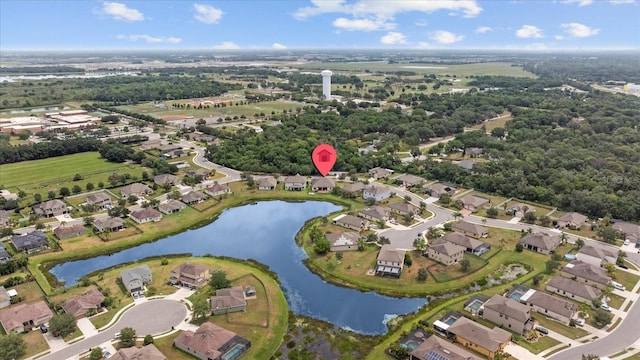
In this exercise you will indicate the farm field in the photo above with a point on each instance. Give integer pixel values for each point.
(40, 176)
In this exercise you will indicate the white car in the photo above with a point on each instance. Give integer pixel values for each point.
(618, 286)
(580, 322)
(627, 242)
(605, 307)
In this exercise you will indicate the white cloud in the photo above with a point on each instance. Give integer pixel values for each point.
(483, 29)
(617, 2)
(445, 37)
(226, 45)
(421, 23)
(150, 39)
(529, 31)
(207, 14)
(387, 9)
(121, 12)
(579, 2)
(579, 30)
(559, 37)
(278, 46)
(424, 45)
(362, 24)
(393, 38)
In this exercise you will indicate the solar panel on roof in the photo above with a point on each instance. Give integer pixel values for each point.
(432, 355)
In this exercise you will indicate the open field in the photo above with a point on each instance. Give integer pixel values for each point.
(40, 176)
(490, 125)
(495, 68)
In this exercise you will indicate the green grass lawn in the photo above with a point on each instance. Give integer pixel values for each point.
(562, 329)
(35, 343)
(627, 279)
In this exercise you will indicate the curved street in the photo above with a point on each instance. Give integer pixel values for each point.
(149, 317)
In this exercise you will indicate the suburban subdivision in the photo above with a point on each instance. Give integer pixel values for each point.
(479, 210)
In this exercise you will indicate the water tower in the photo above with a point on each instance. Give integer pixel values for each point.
(326, 84)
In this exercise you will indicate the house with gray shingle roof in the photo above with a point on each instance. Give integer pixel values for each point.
(375, 213)
(573, 289)
(482, 339)
(471, 245)
(145, 215)
(322, 184)
(136, 278)
(193, 197)
(32, 242)
(408, 180)
(474, 230)
(586, 273)
(50, 208)
(596, 256)
(351, 222)
(110, 224)
(171, 206)
(267, 183)
(343, 241)
(65, 232)
(99, 200)
(445, 252)
(378, 193)
(474, 203)
(354, 187)
(572, 220)
(295, 183)
(217, 190)
(404, 208)
(508, 314)
(390, 261)
(136, 189)
(539, 242)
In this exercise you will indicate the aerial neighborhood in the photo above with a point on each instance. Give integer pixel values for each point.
(173, 206)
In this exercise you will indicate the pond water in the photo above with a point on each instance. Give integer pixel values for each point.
(265, 232)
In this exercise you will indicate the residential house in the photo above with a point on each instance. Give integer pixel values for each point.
(477, 337)
(203, 173)
(145, 215)
(4, 254)
(436, 348)
(586, 273)
(173, 154)
(573, 290)
(629, 231)
(24, 316)
(539, 242)
(378, 193)
(295, 183)
(572, 220)
(473, 230)
(228, 300)
(171, 206)
(351, 222)
(190, 275)
(596, 256)
(31, 243)
(111, 224)
(135, 189)
(353, 188)
(267, 183)
(438, 189)
(217, 190)
(375, 213)
(211, 342)
(147, 352)
(4, 218)
(99, 201)
(467, 164)
(520, 209)
(390, 261)
(193, 197)
(508, 314)
(322, 184)
(166, 180)
(136, 278)
(79, 306)
(404, 208)
(549, 305)
(445, 252)
(475, 151)
(471, 245)
(65, 232)
(5, 298)
(379, 173)
(50, 208)
(408, 180)
(474, 203)
(344, 241)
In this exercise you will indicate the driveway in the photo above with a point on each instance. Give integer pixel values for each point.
(150, 317)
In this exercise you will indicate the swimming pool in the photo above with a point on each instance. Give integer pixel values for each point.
(234, 353)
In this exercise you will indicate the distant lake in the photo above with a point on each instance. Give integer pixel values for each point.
(265, 232)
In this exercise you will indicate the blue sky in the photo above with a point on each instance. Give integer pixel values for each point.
(320, 24)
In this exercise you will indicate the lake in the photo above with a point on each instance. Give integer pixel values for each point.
(265, 232)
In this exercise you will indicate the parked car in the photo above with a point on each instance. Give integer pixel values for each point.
(542, 330)
(135, 295)
(622, 266)
(605, 307)
(44, 329)
(580, 322)
(627, 242)
(618, 286)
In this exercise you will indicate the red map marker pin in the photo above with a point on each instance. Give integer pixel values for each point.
(324, 157)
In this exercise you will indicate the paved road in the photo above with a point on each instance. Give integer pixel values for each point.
(200, 160)
(151, 317)
(619, 339)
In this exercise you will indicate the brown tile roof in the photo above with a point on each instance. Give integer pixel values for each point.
(13, 317)
(552, 303)
(376, 212)
(206, 340)
(587, 271)
(355, 187)
(191, 269)
(444, 247)
(226, 298)
(475, 200)
(322, 182)
(147, 352)
(469, 227)
(626, 228)
(446, 350)
(193, 196)
(267, 181)
(135, 189)
(146, 213)
(490, 339)
(98, 198)
(351, 221)
(296, 179)
(597, 252)
(391, 254)
(462, 240)
(109, 223)
(164, 179)
(404, 207)
(63, 232)
(509, 307)
(410, 179)
(79, 306)
(573, 287)
(217, 188)
(541, 241)
(573, 217)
